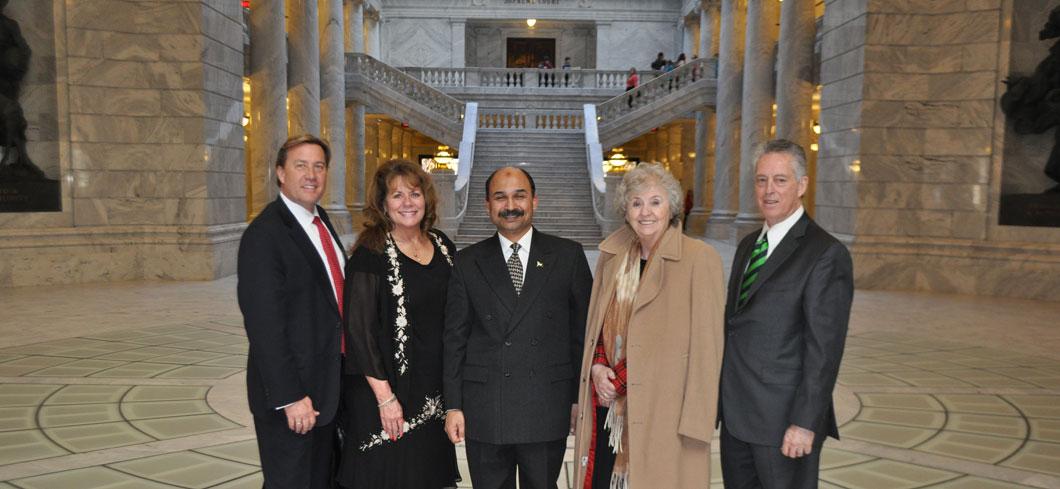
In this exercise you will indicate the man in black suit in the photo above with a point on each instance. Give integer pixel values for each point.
(786, 322)
(514, 327)
(290, 281)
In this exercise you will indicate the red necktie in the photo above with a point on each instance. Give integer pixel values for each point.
(333, 265)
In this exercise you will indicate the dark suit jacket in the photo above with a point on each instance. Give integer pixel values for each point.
(290, 314)
(783, 347)
(511, 361)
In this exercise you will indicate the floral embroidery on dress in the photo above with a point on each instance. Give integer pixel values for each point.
(432, 409)
(397, 290)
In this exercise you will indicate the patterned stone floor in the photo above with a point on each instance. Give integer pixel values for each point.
(141, 386)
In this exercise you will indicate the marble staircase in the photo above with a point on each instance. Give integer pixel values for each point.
(556, 160)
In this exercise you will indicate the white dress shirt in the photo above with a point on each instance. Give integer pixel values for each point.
(305, 218)
(524, 248)
(776, 233)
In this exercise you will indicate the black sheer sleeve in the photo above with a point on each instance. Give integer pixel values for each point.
(366, 312)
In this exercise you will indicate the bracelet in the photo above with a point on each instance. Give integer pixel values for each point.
(388, 401)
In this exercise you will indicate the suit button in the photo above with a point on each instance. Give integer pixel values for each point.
(489, 317)
(548, 314)
(732, 333)
(507, 373)
(507, 342)
(533, 342)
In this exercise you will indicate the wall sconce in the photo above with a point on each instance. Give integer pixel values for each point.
(531, 23)
(816, 127)
(246, 119)
(813, 146)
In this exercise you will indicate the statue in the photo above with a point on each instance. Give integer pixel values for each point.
(23, 186)
(1033, 102)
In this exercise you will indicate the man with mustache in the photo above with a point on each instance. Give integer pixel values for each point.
(514, 327)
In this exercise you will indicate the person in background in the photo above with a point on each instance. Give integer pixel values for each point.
(631, 84)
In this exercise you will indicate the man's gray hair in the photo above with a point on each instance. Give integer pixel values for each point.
(784, 146)
(643, 176)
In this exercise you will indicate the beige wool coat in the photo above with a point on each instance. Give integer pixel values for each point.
(675, 342)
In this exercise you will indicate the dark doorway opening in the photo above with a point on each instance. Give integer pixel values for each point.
(529, 52)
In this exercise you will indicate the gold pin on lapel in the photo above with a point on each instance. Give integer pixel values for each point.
(540, 265)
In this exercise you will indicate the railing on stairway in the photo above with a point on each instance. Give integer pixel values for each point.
(522, 77)
(665, 85)
(388, 89)
(531, 119)
(467, 162)
(594, 157)
(691, 87)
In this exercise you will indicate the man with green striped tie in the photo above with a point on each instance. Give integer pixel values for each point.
(786, 318)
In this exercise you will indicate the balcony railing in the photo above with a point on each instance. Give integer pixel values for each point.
(531, 119)
(522, 78)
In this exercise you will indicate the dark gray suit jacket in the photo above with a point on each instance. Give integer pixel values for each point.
(783, 347)
(511, 361)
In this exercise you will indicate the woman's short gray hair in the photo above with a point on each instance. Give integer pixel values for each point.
(643, 176)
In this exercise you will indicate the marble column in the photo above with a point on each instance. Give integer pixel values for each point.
(332, 109)
(355, 158)
(459, 40)
(703, 174)
(303, 86)
(708, 20)
(795, 72)
(373, 47)
(757, 115)
(268, 108)
(689, 38)
(727, 120)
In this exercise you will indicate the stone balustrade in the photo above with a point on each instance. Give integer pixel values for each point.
(529, 119)
(675, 83)
(473, 77)
(373, 70)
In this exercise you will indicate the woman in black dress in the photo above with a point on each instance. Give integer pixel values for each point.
(393, 421)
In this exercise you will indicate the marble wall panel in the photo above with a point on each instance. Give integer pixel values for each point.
(621, 45)
(131, 74)
(836, 220)
(918, 113)
(840, 143)
(841, 117)
(222, 56)
(833, 169)
(149, 157)
(139, 17)
(924, 169)
(917, 6)
(843, 91)
(918, 196)
(843, 38)
(926, 30)
(221, 28)
(969, 225)
(971, 141)
(846, 65)
(121, 129)
(895, 86)
(979, 56)
(876, 222)
(913, 59)
(85, 42)
(963, 86)
(115, 101)
(839, 12)
(892, 141)
(418, 42)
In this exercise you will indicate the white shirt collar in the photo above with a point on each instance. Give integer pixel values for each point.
(774, 234)
(304, 217)
(524, 243)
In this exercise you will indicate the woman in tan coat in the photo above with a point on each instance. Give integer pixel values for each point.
(653, 346)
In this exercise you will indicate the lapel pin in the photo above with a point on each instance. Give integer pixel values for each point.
(540, 265)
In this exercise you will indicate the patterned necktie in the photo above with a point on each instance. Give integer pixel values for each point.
(515, 268)
(333, 266)
(758, 258)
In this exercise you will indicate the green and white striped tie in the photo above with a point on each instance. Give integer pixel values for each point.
(758, 258)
